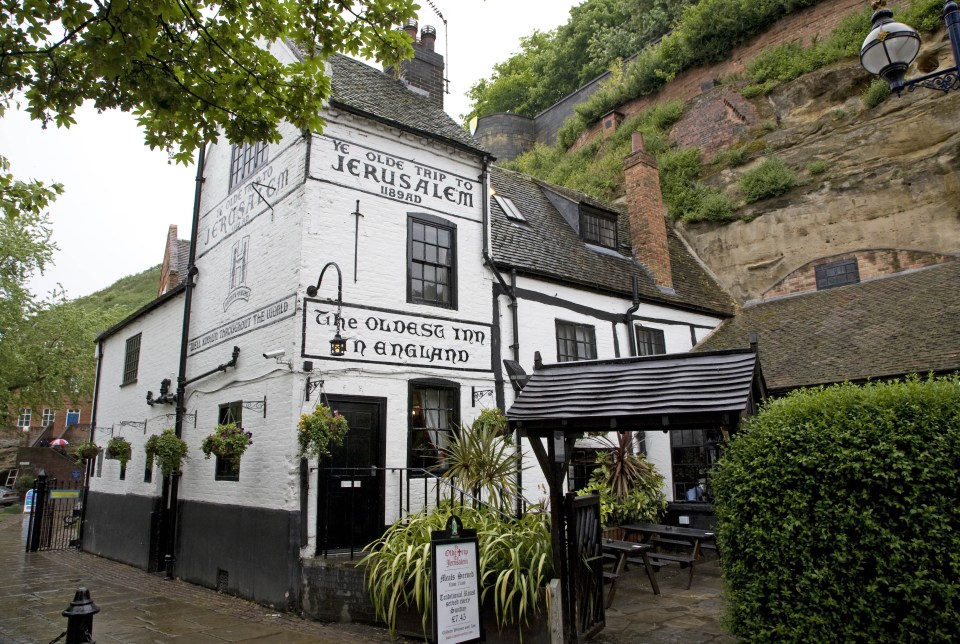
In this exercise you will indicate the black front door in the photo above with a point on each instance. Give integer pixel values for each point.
(350, 485)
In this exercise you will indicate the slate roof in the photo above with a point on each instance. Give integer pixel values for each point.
(886, 327)
(359, 88)
(638, 392)
(548, 247)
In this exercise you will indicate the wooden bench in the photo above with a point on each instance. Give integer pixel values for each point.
(660, 559)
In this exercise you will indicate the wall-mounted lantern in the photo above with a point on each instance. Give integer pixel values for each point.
(338, 346)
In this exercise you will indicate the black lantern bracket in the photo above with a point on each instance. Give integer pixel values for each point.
(256, 405)
(139, 424)
(312, 386)
(479, 394)
(338, 346)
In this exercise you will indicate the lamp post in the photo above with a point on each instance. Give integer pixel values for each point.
(338, 346)
(891, 46)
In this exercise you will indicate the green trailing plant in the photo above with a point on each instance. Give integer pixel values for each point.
(837, 515)
(771, 178)
(168, 449)
(514, 556)
(119, 448)
(877, 92)
(319, 429)
(482, 461)
(87, 451)
(226, 441)
(629, 486)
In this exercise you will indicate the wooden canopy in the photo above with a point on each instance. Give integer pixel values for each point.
(675, 391)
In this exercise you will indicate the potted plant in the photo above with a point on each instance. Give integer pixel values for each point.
(317, 430)
(227, 441)
(119, 448)
(167, 448)
(87, 451)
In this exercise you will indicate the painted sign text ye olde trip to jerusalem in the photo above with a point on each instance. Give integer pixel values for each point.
(401, 179)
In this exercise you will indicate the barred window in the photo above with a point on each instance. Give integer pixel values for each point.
(131, 361)
(575, 342)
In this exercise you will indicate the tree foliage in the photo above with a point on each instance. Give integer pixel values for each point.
(838, 521)
(552, 64)
(188, 69)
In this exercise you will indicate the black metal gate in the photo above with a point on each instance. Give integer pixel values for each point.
(56, 517)
(584, 566)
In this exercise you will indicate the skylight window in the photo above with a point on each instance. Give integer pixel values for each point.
(510, 209)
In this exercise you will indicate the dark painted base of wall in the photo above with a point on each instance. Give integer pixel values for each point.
(334, 590)
(118, 527)
(249, 552)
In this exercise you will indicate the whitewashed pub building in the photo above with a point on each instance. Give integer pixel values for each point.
(449, 266)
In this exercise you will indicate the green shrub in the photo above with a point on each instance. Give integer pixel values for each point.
(709, 204)
(838, 519)
(771, 178)
(516, 562)
(818, 167)
(876, 93)
(737, 156)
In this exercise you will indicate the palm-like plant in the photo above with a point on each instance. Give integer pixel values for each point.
(482, 461)
(629, 486)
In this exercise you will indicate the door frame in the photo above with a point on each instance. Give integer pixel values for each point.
(381, 403)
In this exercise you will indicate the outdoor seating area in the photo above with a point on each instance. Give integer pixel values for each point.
(649, 547)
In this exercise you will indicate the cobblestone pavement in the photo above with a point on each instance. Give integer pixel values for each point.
(139, 607)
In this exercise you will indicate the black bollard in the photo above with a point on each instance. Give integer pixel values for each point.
(79, 616)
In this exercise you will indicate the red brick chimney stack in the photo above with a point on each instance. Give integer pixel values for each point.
(422, 74)
(648, 222)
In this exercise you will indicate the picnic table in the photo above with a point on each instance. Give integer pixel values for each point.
(686, 544)
(620, 552)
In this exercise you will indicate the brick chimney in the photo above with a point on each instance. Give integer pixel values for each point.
(648, 222)
(422, 74)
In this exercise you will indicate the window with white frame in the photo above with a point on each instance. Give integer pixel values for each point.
(73, 417)
(49, 416)
(23, 419)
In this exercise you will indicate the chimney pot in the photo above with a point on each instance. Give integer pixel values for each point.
(411, 28)
(428, 37)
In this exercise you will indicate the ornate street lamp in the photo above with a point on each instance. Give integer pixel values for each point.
(338, 346)
(891, 46)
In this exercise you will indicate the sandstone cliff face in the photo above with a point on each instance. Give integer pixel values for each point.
(891, 181)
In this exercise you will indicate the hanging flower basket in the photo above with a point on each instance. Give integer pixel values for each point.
(119, 449)
(168, 449)
(317, 430)
(87, 451)
(227, 441)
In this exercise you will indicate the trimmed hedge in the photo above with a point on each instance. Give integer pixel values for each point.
(838, 516)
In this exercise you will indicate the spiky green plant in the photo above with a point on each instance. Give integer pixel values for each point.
(515, 561)
(629, 486)
(483, 461)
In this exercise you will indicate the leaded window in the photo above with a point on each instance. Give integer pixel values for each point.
(598, 227)
(839, 273)
(433, 417)
(575, 342)
(245, 160)
(650, 342)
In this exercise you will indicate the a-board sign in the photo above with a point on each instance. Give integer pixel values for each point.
(28, 502)
(455, 564)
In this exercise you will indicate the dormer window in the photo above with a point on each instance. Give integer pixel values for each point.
(598, 227)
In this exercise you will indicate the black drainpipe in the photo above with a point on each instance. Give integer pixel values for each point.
(511, 292)
(90, 464)
(628, 317)
(173, 481)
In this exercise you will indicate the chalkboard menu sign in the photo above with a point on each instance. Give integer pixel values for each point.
(455, 564)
